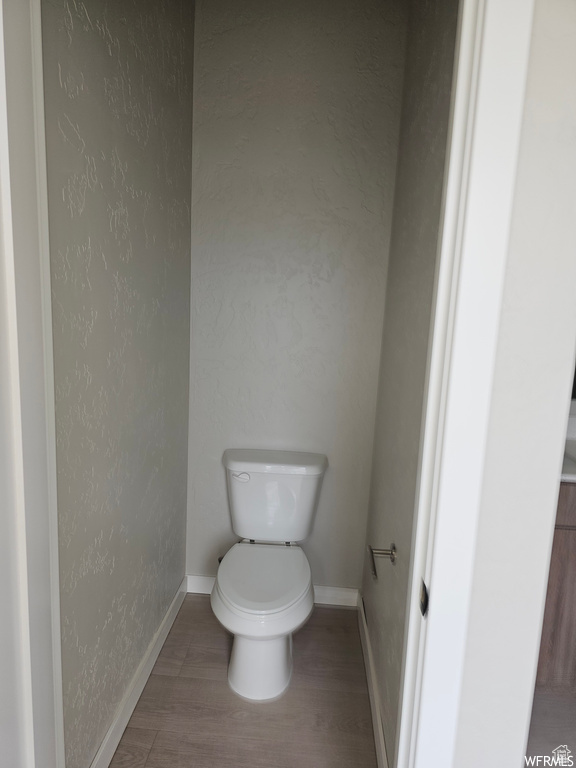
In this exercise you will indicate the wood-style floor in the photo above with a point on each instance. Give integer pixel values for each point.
(187, 716)
(553, 721)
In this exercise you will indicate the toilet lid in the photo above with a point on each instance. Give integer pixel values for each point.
(263, 578)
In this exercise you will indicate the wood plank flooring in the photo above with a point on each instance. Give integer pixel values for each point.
(553, 721)
(187, 716)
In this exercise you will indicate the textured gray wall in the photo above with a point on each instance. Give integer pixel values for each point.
(118, 87)
(296, 118)
(410, 291)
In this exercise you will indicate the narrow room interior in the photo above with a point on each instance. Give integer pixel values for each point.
(232, 193)
(245, 204)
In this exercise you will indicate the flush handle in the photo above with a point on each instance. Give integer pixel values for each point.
(242, 477)
(374, 553)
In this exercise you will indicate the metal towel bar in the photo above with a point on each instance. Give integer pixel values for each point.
(374, 553)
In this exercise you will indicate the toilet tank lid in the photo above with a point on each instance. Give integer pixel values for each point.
(275, 462)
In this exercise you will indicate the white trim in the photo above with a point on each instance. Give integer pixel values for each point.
(454, 185)
(23, 146)
(199, 585)
(492, 68)
(112, 739)
(337, 596)
(19, 730)
(372, 681)
(49, 394)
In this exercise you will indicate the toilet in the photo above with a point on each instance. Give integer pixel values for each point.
(263, 590)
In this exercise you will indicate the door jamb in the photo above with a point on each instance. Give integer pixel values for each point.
(485, 73)
(30, 367)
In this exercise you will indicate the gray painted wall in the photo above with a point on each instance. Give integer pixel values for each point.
(296, 119)
(409, 297)
(118, 90)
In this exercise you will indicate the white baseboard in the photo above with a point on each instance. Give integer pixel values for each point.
(342, 596)
(372, 688)
(112, 738)
(199, 585)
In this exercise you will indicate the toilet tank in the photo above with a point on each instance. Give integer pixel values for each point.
(273, 495)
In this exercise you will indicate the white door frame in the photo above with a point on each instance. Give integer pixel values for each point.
(30, 592)
(491, 64)
(448, 704)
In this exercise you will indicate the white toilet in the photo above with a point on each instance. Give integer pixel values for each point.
(263, 590)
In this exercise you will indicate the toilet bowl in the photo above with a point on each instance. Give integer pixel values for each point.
(263, 589)
(263, 593)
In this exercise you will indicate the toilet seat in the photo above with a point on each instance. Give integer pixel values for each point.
(263, 579)
(262, 594)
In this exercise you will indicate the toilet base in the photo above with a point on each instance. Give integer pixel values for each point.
(260, 670)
